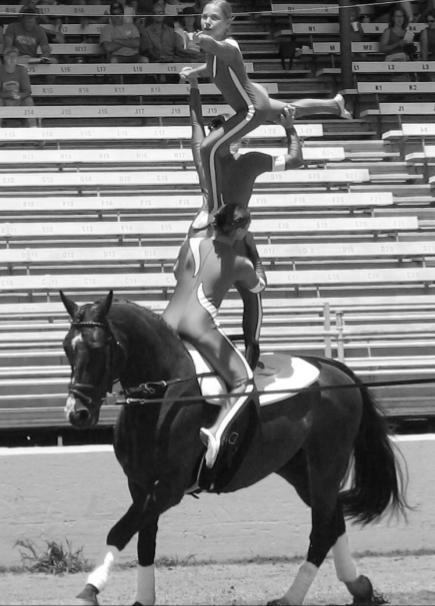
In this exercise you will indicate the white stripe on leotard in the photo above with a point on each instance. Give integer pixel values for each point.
(194, 244)
(249, 116)
(243, 396)
(259, 319)
(206, 303)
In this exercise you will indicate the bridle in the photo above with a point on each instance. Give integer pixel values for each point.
(86, 391)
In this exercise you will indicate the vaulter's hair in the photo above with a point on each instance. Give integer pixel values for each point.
(230, 217)
(224, 6)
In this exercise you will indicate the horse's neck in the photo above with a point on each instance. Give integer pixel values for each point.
(154, 352)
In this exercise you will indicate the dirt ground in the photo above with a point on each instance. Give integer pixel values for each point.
(402, 580)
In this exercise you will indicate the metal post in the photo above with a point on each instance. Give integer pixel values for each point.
(345, 44)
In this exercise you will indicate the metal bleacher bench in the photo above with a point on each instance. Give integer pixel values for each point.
(400, 88)
(103, 205)
(400, 109)
(152, 281)
(101, 69)
(412, 131)
(173, 155)
(176, 229)
(388, 67)
(155, 110)
(143, 133)
(145, 90)
(308, 9)
(86, 180)
(35, 259)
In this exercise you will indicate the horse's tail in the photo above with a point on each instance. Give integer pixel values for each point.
(379, 480)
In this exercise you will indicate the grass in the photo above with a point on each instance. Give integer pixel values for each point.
(57, 558)
(54, 558)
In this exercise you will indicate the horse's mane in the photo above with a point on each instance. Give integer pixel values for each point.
(121, 307)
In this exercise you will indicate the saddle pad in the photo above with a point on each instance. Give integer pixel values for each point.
(283, 372)
(280, 372)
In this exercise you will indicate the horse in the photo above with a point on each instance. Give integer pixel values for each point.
(329, 441)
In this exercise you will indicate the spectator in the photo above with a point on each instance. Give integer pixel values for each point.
(121, 40)
(15, 86)
(2, 41)
(26, 35)
(427, 38)
(159, 41)
(129, 10)
(52, 25)
(185, 30)
(396, 41)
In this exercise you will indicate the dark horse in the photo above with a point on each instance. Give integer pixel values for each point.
(309, 439)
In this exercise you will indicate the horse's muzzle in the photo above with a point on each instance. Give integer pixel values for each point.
(77, 414)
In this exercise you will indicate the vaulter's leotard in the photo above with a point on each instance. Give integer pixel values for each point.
(205, 270)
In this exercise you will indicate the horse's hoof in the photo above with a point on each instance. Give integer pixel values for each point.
(279, 602)
(363, 593)
(88, 597)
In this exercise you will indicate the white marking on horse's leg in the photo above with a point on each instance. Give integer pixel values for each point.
(345, 566)
(100, 575)
(302, 583)
(146, 586)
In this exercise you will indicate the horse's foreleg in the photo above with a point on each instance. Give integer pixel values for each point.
(118, 537)
(146, 551)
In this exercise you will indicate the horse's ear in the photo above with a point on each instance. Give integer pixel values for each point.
(105, 305)
(69, 304)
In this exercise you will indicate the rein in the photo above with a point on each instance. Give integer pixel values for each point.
(310, 388)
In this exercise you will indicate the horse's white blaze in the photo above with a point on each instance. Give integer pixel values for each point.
(100, 575)
(302, 583)
(69, 405)
(345, 566)
(146, 586)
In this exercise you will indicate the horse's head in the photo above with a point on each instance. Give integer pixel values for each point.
(90, 348)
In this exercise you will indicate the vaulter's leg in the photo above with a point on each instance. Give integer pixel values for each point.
(310, 107)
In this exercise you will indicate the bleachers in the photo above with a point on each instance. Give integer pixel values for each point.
(347, 240)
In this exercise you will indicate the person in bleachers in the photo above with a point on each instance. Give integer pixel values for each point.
(159, 40)
(129, 11)
(26, 35)
(120, 40)
(15, 89)
(396, 41)
(186, 29)
(52, 24)
(427, 38)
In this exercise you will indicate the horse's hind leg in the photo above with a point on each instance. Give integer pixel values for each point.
(360, 586)
(296, 473)
(318, 488)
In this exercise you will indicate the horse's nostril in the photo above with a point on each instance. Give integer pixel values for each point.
(82, 415)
